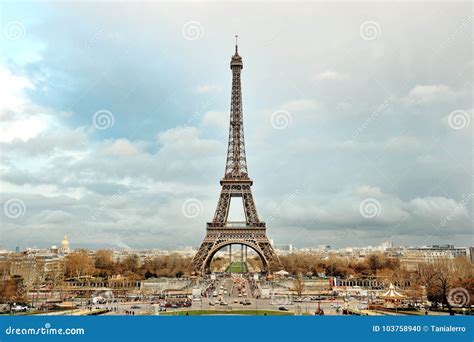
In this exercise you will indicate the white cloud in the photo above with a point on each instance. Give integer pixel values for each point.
(419, 217)
(330, 75)
(12, 89)
(367, 191)
(178, 134)
(434, 207)
(396, 143)
(300, 105)
(55, 216)
(121, 147)
(426, 94)
(20, 119)
(214, 119)
(23, 129)
(403, 143)
(187, 141)
(207, 88)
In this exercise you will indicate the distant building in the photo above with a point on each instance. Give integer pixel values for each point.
(412, 256)
(284, 247)
(36, 265)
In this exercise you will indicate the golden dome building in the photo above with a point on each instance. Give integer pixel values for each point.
(65, 245)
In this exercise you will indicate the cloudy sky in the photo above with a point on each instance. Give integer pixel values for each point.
(114, 120)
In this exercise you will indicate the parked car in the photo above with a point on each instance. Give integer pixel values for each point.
(282, 308)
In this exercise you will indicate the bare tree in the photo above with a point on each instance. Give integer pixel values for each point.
(298, 285)
(78, 264)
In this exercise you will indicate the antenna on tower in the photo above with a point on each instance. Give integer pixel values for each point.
(236, 36)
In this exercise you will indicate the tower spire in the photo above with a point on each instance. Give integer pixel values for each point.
(236, 45)
(236, 166)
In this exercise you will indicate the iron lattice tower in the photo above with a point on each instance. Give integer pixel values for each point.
(235, 183)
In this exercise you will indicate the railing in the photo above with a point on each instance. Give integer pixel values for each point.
(235, 224)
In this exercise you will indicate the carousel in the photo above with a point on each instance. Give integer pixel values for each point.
(392, 298)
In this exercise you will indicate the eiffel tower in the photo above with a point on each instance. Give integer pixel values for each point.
(235, 183)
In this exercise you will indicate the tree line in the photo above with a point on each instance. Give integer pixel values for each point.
(102, 264)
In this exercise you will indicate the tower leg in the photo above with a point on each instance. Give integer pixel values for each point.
(242, 256)
(225, 237)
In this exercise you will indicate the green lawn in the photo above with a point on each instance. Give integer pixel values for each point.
(237, 267)
(228, 312)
